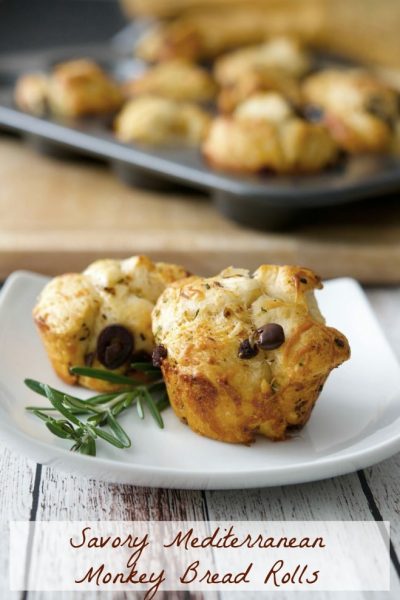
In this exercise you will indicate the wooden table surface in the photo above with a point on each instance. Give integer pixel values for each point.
(57, 216)
(36, 492)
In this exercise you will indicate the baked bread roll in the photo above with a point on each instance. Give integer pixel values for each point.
(360, 110)
(74, 89)
(102, 317)
(157, 121)
(31, 93)
(276, 65)
(245, 354)
(254, 81)
(265, 133)
(167, 8)
(177, 80)
(282, 54)
(207, 32)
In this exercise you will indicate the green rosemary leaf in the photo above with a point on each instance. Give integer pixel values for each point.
(81, 405)
(145, 367)
(108, 437)
(102, 398)
(139, 407)
(163, 403)
(51, 409)
(102, 409)
(104, 375)
(40, 388)
(156, 386)
(118, 431)
(98, 419)
(38, 412)
(88, 447)
(153, 408)
(57, 429)
(53, 396)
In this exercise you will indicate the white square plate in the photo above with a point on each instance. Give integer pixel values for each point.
(356, 421)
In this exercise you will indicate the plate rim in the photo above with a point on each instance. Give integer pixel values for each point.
(64, 460)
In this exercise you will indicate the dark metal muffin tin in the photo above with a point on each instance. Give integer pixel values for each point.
(264, 201)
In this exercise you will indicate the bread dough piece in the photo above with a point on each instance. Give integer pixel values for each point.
(282, 54)
(158, 121)
(177, 80)
(203, 326)
(265, 133)
(361, 111)
(74, 309)
(206, 33)
(73, 89)
(254, 81)
(31, 93)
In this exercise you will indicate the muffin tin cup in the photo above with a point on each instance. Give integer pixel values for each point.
(266, 201)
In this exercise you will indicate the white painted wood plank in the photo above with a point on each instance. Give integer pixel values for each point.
(384, 478)
(66, 497)
(384, 482)
(16, 485)
(339, 499)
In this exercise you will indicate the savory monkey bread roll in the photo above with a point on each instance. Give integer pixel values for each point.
(73, 89)
(361, 111)
(265, 132)
(245, 354)
(102, 317)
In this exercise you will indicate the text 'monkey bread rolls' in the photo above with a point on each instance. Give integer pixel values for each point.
(245, 354)
(102, 317)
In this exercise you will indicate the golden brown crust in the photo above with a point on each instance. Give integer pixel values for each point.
(31, 93)
(73, 89)
(202, 322)
(153, 120)
(264, 133)
(73, 309)
(166, 8)
(177, 80)
(254, 81)
(275, 65)
(207, 33)
(280, 54)
(360, 110)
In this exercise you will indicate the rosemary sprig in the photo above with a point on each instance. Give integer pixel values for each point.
(101, 410)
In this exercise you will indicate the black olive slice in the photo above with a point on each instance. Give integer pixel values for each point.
(271, 336)
(312, 113)
(247, 350)
(114, 346)
(159, 354)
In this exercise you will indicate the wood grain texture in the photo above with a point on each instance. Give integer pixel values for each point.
(57, 216)
(66, 497)
(384, 478)
(16, 486)
(338, 499)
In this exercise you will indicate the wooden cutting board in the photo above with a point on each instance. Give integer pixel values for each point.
(57, 216)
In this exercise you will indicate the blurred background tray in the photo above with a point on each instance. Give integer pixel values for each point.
(263, 201)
